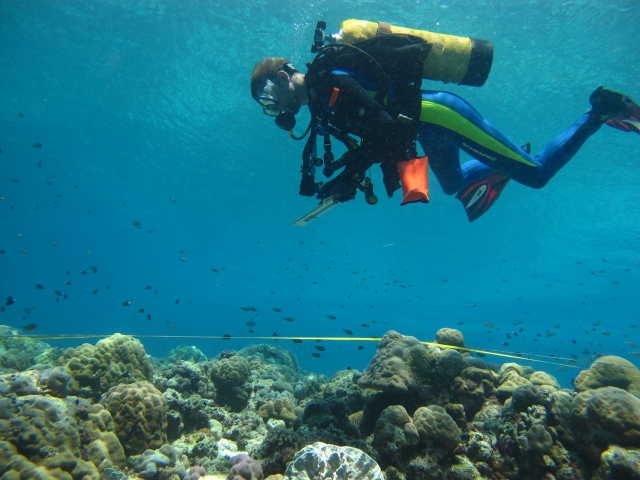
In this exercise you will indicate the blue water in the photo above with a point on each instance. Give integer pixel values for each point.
(140, 102)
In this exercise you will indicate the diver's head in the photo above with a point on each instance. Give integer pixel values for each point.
(279, 88)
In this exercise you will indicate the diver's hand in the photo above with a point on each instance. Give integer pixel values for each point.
(341, 188)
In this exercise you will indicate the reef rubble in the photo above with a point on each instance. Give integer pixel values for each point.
(417, 412)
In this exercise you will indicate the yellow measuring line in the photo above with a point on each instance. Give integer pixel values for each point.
(339, 339)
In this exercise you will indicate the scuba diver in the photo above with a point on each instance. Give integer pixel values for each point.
(371, 89)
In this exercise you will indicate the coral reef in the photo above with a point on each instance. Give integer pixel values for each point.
(18, 355)
(418, 412)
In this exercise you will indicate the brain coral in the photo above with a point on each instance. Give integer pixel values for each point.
(139, 413)
(115, 359)
(387, 370)
(436, 426)
(610, 371)
(613, 410)
(329, 461)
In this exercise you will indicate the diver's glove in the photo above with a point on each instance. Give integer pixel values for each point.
(342, 188)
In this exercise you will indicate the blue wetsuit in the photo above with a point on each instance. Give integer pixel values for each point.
(449, 124)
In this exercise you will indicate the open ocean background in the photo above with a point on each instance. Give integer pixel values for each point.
(144, 114)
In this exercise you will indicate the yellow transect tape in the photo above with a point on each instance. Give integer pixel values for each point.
(339, 339)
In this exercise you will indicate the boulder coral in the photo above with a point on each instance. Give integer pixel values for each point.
(139, 413)
(229, 376)
(243, 467)
(609, 371)
(387, 370)
(608, 412)
(41, 439)
(436, 427)
(114, 360)
(450, 336)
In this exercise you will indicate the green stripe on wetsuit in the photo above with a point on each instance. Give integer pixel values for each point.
(442, 115)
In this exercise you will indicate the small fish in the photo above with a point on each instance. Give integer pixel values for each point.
(481, 354)
(562, 369)
(214, 270)
(277, 310)
(177, 300)
(631, 344)
(94, 269)
(182, 259)
(172, 200)
(250, 324)
(21, 115)
(487, 324)
(274, 334)
(505, 343)
(549, 334)
(331, 317)
(54, 244)
(148, 316)
(82, 272)
(39, 287)
(348, 332)
(58, 292)
(364, 325)
(316, 355)
(320, 348)
(2, 251)
(474, 305)
(226, 336)
(288, 319)
(64, 296)
(635, 354)
(24, 251)
(30, 327)
(604, 332)
(95, 291)
(460, 323)
(297, 340)
(181, 251)
(615, 283)
(15, 180)
(148, 287)
(75, 186)
(39, 164)
(37, 145)
(141, 310)
(126, 303)
(137, 224)
(106, 287)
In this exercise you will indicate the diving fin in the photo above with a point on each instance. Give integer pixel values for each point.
(478, 197)
(616, 109)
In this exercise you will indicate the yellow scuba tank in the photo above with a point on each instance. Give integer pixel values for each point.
(461, 60)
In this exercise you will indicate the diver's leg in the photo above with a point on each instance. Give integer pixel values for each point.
(444, 159)
(483, 141)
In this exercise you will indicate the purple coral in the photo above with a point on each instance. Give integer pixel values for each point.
(243, 467)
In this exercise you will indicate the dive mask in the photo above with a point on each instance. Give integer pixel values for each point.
(285, 119)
